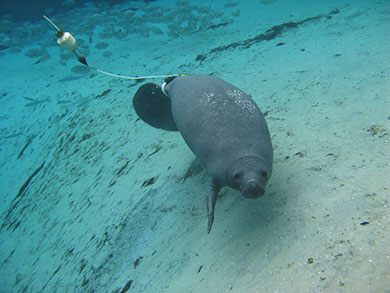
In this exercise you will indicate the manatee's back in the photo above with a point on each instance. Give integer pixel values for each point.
(219, 122)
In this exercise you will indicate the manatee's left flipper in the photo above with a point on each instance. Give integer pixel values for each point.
(153, 107)
(214, 188)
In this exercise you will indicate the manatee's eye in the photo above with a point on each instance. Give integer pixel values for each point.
(237, 176)
(264, 174)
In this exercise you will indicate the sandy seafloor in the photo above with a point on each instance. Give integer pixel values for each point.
(90, 219)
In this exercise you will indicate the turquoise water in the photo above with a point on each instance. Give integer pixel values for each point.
(95, 200)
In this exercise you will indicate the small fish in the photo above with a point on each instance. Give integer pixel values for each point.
(64, 102)
(84, 102)
(69, 78)
(35, 102)
(14, 135)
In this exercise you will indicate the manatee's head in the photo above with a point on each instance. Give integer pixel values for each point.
(250, 175)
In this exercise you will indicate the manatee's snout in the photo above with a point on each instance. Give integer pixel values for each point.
(250, 179)
(252, 189)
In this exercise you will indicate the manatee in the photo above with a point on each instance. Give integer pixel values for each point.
(221, 124)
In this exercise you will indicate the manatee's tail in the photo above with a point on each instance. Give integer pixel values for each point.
(153, 107)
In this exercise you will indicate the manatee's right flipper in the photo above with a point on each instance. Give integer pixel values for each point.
(153, 107)
(211, 200)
